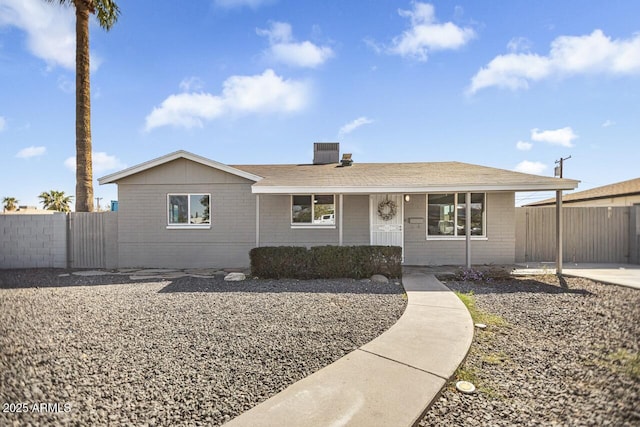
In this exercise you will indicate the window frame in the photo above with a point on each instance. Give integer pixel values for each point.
(188, 225)
(455, 236)
(311, 224)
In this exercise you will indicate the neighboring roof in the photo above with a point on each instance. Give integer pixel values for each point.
(181, 154)
(397, 177)
(618, 189)
(367, 177)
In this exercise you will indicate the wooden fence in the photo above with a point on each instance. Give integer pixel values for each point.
(591, 234)
(93, 240)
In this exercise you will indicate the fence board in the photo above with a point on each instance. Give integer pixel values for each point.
(590, 234)
(90, 236)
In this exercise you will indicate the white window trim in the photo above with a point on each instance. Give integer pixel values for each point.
(483, 236)
(188, 226)
(454, 238)
(309, 225)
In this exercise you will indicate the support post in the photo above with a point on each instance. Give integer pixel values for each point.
(559, 233)
(257, 220)
(467, 228)
(340, 209)
(68, 242)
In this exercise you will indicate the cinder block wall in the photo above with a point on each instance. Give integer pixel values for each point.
(33, 241)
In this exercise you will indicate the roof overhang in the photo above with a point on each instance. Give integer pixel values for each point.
(181, 154)
(565, 184)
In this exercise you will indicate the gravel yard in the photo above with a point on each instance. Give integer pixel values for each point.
(567, 356)
(189, 351)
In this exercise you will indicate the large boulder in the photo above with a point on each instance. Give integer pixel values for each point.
(379, 278)
(235, 277)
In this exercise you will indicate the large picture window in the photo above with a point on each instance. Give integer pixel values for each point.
(189, 209)
(447, 214)
(313, 209)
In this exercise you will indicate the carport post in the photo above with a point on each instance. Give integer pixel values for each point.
(559, 232)
(257, 220)
(340, 208)
(467, 228)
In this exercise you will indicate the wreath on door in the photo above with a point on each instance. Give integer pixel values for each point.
(387, 209)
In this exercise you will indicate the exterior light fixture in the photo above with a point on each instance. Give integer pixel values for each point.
(407, 198)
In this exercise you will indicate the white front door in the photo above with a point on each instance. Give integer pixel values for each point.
(386, 219)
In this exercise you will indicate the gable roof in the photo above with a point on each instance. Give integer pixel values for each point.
(397, 177)
(618, 189)
(181, 154)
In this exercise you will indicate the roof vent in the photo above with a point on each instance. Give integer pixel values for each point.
(325, 152)
(346, 159)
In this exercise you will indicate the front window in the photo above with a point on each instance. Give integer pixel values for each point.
(189, 209)
(314, 209)
(447, 214)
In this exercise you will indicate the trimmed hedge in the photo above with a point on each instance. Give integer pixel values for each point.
(325, 262)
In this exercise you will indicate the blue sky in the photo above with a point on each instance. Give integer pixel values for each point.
(514, 85)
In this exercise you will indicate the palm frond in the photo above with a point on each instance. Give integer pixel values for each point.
(107, 12)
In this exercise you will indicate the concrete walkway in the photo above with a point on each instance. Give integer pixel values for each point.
(389, 381)
(615, 274)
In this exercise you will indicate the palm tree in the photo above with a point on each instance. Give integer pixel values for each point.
(107, 12)
(55, 201)
(10, 203)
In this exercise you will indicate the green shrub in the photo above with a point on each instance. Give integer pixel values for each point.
(279, 262)
(325, 262)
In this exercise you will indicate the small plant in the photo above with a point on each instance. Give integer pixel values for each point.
(486, 275)
(495, 358)
(627, 361)
(470, 275)
(467, 373)
(479, 316)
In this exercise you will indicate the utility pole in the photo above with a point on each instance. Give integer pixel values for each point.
(98, 202)
(558, 169)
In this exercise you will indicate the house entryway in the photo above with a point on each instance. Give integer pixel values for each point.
(386, 213)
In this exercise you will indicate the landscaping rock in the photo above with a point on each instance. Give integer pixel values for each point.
(379, 278)
(565, 357)
(189, 351)
(234, 277)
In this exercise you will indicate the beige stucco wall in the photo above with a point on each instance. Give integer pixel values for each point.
(143, 237)
(498, 247)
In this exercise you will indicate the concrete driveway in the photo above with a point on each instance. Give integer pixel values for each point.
(617, 274)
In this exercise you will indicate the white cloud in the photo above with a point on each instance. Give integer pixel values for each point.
(353, 125)
(3, 123)
(519, 44)
(27, 153)
(595, 53)
(608, 123)
(526, 166)
(524, 145)
(50, 29)
(102, 162)
(231, 4)
(426, 34)
(191, 84)
(66, 85)
(262, 93)
(285, 50)
(563, 136)
(512, 71)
